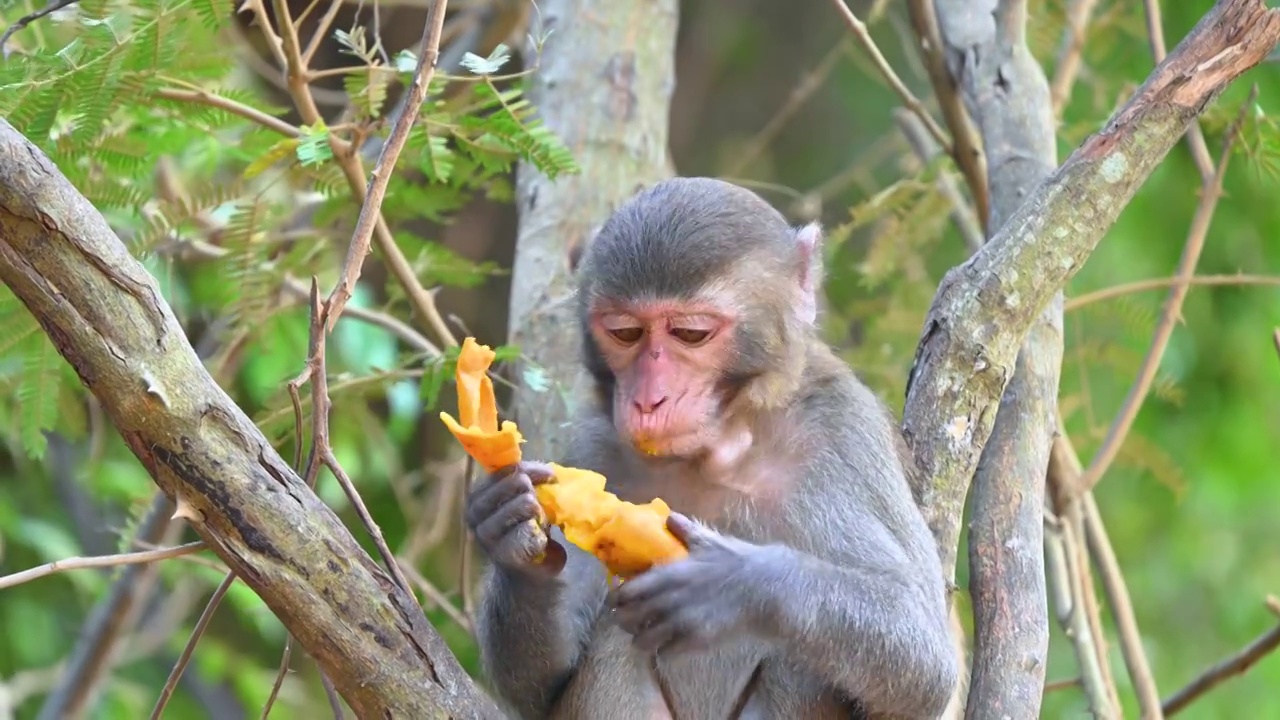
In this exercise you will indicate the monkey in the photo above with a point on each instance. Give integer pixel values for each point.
(812, 587)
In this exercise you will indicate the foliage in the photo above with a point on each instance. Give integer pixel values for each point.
(144, 108)
(233, 204)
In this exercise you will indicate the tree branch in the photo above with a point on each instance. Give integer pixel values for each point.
(1007, 95)
(106, 316)
(985, 307)
(964, 149)
(909, 100)
(1210, 192)
(1237, 664)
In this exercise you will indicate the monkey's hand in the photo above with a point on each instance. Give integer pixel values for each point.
(721, 588)
(504, 514)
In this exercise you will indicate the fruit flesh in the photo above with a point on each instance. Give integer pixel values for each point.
(628, 538)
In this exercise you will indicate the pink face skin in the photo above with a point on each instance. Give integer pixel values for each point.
(667, 357)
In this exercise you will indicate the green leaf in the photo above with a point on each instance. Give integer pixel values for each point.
(38, 394)
(313, 146)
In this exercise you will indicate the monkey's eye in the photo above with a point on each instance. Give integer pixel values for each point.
(627, 335)
(690, 336)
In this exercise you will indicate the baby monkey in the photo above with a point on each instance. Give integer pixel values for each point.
(812, 588)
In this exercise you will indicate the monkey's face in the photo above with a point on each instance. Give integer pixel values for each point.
(667, 358)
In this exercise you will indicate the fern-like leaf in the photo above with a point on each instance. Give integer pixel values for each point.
(37, 393)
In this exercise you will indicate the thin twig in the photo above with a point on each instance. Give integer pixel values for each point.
(1064, 684)
(1088, 598)
(1068, 65)
(1061, 568)
(433, 593)
(1104, 557)
(1195, 135)
(1237, 664)
(322, 30)
(286, 47)
(809, 83)
(1172, 312)
(370, 210)
(197, 632)
(98, 561)
(966, 149)
(321, 449)
(53, 7)
(280, 675)
(926, 150)
(1137, 286)
(202, 97)
(908, 98)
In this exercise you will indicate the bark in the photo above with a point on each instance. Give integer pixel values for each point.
(106, 316)
(1007, 94)
(985, 307)
(605, 88)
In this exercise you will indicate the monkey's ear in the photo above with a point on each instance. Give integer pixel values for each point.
(809, 247)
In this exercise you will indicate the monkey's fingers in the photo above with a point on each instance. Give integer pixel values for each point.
(487, 499)
(516, 521)
(538, 472)
(658, 581)
(688, 531)
(664, 634)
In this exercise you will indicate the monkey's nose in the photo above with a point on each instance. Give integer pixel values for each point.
(647, 406)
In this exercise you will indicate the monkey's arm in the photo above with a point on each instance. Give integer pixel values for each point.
(532, 630)
(871, 626)
(859, 594)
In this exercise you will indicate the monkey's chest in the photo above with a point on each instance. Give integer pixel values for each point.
(712, 685)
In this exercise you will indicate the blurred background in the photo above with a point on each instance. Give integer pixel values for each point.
(774, 96)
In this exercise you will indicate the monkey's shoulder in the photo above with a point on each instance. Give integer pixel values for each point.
(834, 404)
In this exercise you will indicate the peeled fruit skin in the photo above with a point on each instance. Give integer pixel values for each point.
(626, 537)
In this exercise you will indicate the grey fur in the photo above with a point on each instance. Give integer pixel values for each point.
(857, 625)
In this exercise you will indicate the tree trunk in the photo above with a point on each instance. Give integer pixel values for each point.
(1007, 94)
(605, 88)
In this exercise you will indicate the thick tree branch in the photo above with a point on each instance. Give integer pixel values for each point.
(606, 90)
(106, 316)
(1006, 93)
(985, 307)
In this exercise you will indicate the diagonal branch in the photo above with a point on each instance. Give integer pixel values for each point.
(985, 307)
(965, 150)
(1169, 316)
(1237, 664)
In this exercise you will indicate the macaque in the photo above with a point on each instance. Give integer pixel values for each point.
(812, 588)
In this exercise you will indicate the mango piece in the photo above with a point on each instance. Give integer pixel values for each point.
(626, 537)
(477, 424)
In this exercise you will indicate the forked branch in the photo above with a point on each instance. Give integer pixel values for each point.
(984, 308)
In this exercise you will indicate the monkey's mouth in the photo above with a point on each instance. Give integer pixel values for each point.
(670, 445)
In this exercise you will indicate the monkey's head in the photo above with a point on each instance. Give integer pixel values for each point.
(697, 300)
